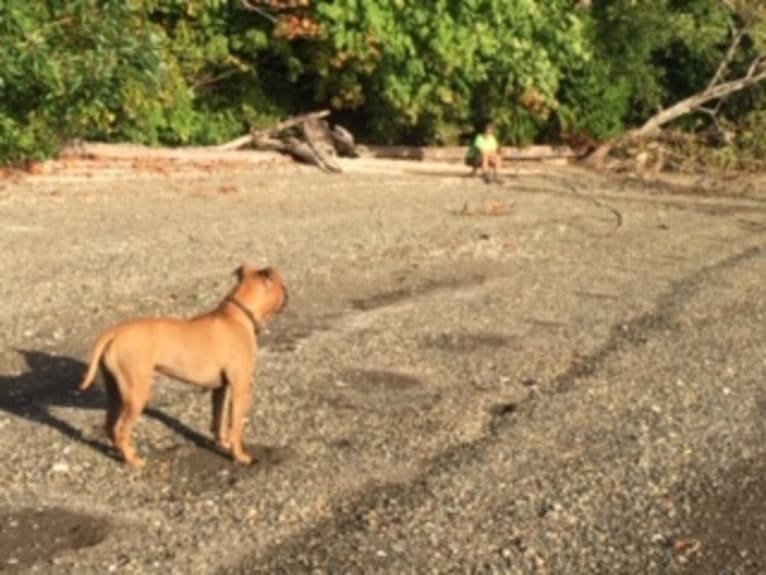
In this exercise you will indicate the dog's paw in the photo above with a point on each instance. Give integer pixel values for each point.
(136, 462)
(243, 458)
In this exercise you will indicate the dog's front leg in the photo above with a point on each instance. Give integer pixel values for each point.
(221, 403)
(241, 399)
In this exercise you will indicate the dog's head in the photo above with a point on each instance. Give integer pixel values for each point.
(262, 290)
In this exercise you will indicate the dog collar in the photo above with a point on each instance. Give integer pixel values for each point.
(257, 325)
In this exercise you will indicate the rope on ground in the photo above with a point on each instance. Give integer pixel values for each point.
(598, 203)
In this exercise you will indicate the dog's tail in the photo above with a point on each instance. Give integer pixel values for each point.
(95, 357)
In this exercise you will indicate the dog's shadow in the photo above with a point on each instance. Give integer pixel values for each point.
(52, 381)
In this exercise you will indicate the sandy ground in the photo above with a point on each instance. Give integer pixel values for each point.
(560, 374)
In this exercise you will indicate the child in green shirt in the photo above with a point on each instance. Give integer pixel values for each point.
(484, 153)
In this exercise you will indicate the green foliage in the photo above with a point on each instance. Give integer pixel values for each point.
(80, 69)
(593, 82)
(399, 71)
(660, 50)
(751, 141)
(430, 71)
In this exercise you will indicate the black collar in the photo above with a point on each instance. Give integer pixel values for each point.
(257, 325)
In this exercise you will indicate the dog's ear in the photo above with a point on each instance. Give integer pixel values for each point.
(267, 274)
(241, 271)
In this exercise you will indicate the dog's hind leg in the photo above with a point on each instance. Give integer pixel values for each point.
(135, 394)
(113, 403)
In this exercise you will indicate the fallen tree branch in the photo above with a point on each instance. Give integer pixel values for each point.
(754, 67)
(693, 103)
(730, 53)
(717, 89)
(254, 135)
(294, 121)
(294, 147)
(319, 139)
(240, 142)
(258, 10)
(755, 74)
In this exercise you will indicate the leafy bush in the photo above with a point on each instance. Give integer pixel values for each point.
(81, 69)
(396, 71)
(751, 140)
(431, 71)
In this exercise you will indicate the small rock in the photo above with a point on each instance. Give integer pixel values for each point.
(659, 539)
(60, 467)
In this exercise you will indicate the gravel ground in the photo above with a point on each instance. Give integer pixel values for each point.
(562, 374)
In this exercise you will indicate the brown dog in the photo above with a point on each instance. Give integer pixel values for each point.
(215, 350)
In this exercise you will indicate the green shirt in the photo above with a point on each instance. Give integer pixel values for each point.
(485, 144)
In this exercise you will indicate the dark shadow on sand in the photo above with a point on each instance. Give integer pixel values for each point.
(52, 381)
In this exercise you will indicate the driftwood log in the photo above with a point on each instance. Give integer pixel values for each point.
(344, 142)
(307, 138)
(318, 136)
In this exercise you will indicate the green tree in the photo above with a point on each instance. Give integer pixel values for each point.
(668, 51)
(397, 71)
(430, 71)
(82, 69)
